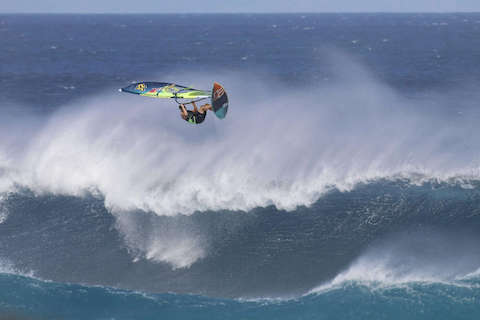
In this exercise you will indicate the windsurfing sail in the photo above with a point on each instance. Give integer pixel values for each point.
(219, 100)
(166, 90)
(181, 94)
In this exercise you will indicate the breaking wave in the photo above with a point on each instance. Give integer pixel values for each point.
(427, 257)
(281, 147)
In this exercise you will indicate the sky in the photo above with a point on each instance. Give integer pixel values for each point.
(236, 6)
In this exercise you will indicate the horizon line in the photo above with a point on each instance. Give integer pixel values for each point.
(246, 12)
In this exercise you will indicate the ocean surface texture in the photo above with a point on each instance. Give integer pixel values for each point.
(344, 182)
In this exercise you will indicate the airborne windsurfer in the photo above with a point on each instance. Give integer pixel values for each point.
(197, 115)
(166, 90)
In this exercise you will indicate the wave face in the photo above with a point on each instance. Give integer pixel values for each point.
(350, 301)
(395, 230)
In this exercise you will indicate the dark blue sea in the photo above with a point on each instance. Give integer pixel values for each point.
(344, 182)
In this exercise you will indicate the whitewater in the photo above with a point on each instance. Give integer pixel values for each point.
(284, 150)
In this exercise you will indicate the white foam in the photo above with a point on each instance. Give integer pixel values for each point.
(170, 242)
(3, 214)
(139, 158)
(376, 273)
(472, 275)
(285, 149)
(3, 209)
(7, 267)
(412, 258)
(179, 252)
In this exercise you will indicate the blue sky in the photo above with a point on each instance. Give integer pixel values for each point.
(165, 6)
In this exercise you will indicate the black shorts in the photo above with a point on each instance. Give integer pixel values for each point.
(195, 117)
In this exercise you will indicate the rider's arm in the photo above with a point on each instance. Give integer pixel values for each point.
(194, 107)
(184, 110)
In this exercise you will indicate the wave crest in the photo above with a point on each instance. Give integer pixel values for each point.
(281, 151)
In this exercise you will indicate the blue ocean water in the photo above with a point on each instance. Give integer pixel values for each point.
(344, 182)
(351, 301)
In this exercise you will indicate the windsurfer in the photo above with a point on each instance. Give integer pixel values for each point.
(197, 115)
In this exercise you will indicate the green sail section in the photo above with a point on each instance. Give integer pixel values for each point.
(165, 90)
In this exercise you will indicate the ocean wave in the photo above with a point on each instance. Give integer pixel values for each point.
(33, 298)
(379, 234)
(412, 258)
(272, 153)
(281, 151)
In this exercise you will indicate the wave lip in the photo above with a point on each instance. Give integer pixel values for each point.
(412, 258)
